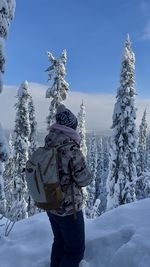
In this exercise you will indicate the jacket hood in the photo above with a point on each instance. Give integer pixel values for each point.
(65, 133)
(71, 133)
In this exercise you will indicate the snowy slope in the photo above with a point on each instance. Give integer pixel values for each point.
(119, 238)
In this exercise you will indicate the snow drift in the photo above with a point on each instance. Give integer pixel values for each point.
(120, 237)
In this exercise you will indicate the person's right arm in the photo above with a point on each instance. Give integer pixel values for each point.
(82, 175)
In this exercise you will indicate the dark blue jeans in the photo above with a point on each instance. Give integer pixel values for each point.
(69, 240)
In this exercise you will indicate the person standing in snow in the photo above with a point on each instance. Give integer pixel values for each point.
(67, 222)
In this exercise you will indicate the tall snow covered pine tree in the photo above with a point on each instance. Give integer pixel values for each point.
(32, 146)
(81, 129)
(21, 147)
(33, 127)
(91, 188)
(141, 165)
(123, 151)
(82, 132)
(8, 176)
(7, 9)
(59, 89)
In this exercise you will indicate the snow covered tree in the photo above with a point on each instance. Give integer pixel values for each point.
(123, 151)
(106, 147)
(11, 8)
(7, 8)
(33, 127)
(148, 152)
(100, 167)
(32, 146)
(9, 166)
(143, 185)
(91, 188)
(145, 192)
(2, 61)
(101, 177)
(2, 192)
(141, 165)
(59, 88)
(21, 146)
(94, 212)
(102, 173)
(81, 129)
(82, 132)
(3, 158)
(9, 176)
(18, 210)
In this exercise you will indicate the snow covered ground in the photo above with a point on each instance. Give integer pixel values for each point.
(119, 238)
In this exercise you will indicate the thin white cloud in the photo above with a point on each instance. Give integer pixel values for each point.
(99, 107)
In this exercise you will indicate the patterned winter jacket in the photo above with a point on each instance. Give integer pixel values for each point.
(60, 135)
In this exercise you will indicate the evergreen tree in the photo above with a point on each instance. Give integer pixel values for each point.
(106, 147)
(91, 188)
(101, 177)
(100, 167)
(11, 9)
(9, 176)
(148, 152)
(94, 212)
(32, 147)
(141, 166)
(88, 142)
(7, 8)
(103, 193)
(18, 210)
(21, 146)
(59, 89)
(82, 130)
(33, 127)
(145, 178)
(123, 151)
(2, 192)
(103, 189)
(143, 185)
(102, 173)
(9, 165)
(2, 61)
(3, 158)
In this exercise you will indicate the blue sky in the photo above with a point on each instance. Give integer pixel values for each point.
(92, 31)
